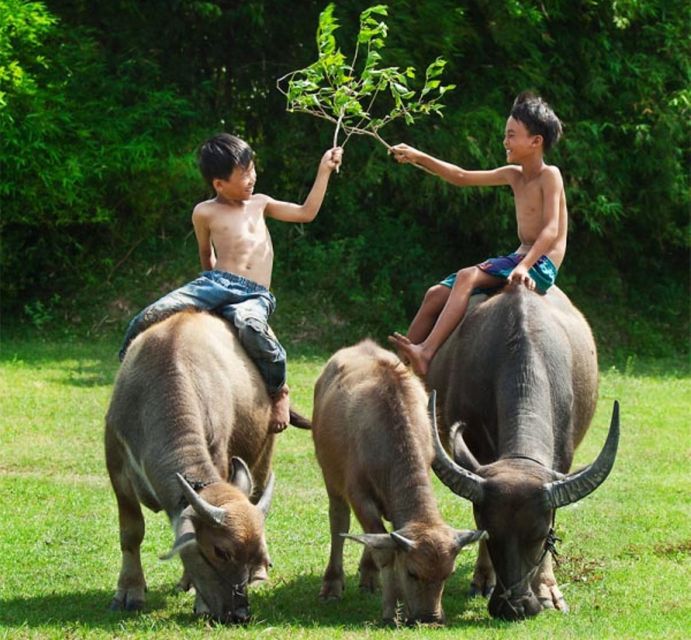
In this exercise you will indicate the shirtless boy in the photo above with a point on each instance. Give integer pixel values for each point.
(237, 255)
(541, 216)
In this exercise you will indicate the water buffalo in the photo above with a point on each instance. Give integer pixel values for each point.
(371, 431)
(187, 432)
(517, 386)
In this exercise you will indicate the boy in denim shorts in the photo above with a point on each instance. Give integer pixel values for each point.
(236, 255)
(541, 216)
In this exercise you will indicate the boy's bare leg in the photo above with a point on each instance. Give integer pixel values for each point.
(426, 316)
(420, 355)
(280, 411)
(432, 305)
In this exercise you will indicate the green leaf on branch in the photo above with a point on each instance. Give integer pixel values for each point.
(348, 93)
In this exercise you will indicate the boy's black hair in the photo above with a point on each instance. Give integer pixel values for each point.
(538, 118)
(219, 155)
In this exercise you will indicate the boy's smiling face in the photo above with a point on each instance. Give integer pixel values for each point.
(239, 185)
(518, 141)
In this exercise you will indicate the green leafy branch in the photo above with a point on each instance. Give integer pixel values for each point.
(350, 94)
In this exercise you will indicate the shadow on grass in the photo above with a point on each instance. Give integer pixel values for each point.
(85, 608)
(98, 361)
(76, 364)
(94, 374)
(290, 604)
(296, 603)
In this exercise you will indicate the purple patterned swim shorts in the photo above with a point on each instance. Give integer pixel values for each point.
(543, 271)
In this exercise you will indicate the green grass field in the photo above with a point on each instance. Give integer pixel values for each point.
(624, 557)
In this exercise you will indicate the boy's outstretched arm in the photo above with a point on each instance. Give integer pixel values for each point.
(307, 211)
(451, 172)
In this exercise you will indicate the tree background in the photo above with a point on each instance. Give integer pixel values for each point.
(103, 105)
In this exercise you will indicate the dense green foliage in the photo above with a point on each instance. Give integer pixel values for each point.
(101, 110)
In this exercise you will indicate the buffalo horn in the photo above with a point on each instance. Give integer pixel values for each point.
(468, 536)
(581, 483)
(405, 544)
(264, 503)
(461, 453)
(461, 481)
(208, 512)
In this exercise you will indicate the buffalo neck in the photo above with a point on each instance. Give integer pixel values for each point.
(413, 501)
(524, 414)
(198, 469)
(410, 496)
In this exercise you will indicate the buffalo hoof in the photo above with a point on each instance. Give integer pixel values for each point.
(561, 605)
(430, 621)
(548, 607)
(369, 581)
(331, 590)
(551, 598)
(126, 604)
(184, 584)
(481, 590)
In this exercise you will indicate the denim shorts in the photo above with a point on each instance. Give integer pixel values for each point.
(246, 304)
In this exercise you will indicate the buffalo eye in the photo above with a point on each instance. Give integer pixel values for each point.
(539, 535)
(222, 553)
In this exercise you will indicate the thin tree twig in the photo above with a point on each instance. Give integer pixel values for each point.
(331, 84)
(124, 259)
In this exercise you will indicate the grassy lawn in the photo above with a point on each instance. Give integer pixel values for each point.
(624, 557)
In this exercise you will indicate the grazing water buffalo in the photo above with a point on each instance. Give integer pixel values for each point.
(371, 432)
(187, 432)
(518, 380)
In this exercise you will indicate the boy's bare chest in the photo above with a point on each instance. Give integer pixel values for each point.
(528, 196)
(529, 209)
(246, 228)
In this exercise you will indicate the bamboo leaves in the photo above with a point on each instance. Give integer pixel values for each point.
(360, 97)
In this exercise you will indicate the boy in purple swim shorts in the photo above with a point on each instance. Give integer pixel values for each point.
(543, 272)
(541, 216)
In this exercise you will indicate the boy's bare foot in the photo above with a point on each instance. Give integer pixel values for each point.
(280, 411)
(414, 354)
(399, 352)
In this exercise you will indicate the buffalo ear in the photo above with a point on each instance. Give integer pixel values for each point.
(379, 541)
(465, 537)
(383, 541)
(264, 503)
(240, 476)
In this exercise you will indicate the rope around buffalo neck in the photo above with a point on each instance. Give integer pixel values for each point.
(549, 547)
